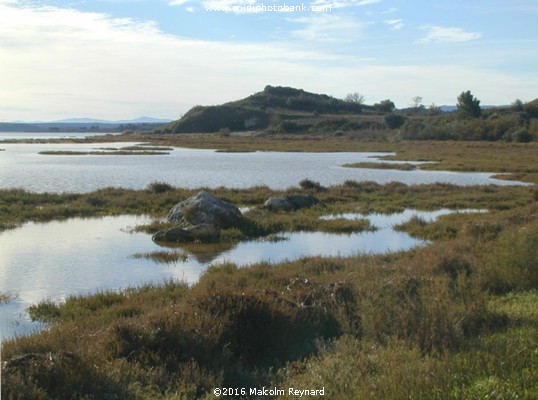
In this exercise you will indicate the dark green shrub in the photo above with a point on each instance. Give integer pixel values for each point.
(522, 135)
(159, 187)
(394, 121)
(96, 201)
(454, 265)
(307, 184)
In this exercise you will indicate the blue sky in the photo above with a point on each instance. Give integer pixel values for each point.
(119, 59)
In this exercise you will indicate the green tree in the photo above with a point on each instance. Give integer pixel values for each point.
(468, 105)
(518, 105)
(434, 109)
(385, 106)
(355, 98)
(416, 103)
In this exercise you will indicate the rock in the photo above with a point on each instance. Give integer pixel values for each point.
(193, 233)
(173, 235)
(291, 202)
(302, 200)
(206, 209)
(199, 219)
(278, 204)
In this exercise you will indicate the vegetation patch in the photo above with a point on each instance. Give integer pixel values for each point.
(5, 297)
(167, 257)
(146, 148)
(103, 153)
(382, 165)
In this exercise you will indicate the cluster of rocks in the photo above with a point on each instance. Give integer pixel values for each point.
(201, 217)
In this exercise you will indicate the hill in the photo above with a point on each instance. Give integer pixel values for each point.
(275, 109)
(285, 110)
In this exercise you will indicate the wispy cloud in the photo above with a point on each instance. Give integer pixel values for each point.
(442, 34)
(390, 10)
(63, 62)
(395, 24)
(59, 62)
(344, 3)
(177, 2)
(327, 28)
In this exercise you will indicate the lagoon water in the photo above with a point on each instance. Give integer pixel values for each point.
(78, 256)
(22, 167)
(82, 255)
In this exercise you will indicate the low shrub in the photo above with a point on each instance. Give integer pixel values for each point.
(160, 187)
(307, 184)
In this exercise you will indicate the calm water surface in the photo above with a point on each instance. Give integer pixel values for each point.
(56, 259)
(22, 167)
(50, 135)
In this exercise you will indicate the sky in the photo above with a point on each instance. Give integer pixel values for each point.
(122, 59)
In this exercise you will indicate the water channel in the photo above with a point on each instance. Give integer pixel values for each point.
(82, 255)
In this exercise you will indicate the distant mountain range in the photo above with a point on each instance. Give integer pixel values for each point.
(140, 120)
(84, 124)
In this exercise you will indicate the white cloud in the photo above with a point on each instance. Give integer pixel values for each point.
(327, 28)
(177, 2)
(62, 62)
(390, 10)
(441, 34)
(395, 24)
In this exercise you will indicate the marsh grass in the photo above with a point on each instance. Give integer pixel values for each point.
(19, 206)
(404, 325)
(167, 257)
(383, 165)
(144, 147)
(139, 152)
(452, 320)
(5, 298)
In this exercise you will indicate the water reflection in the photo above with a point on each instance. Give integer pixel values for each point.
(78, 256)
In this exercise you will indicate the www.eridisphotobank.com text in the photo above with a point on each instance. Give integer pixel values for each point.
(268, 391)
(262, 7)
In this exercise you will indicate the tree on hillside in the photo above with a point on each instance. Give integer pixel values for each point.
(416, 103)
(385, 106)
(518, 105)
(531, 108)
(468, 105)
(355, 98)
(434, 109)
